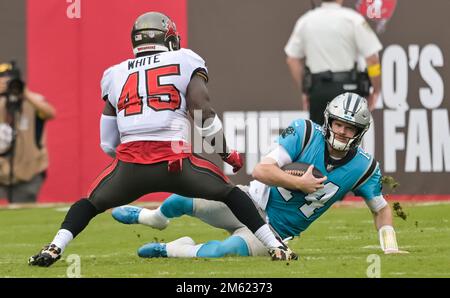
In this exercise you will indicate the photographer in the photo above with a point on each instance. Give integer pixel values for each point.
(23, 155)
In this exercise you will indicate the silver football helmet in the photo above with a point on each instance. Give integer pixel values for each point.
(352, 109)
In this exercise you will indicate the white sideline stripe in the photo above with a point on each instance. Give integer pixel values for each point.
(397, 273)
(18, 245)
(361, 204)
(62, 209)
(314, 258)
(345, 237)
(371, 247)
(103, 255)
(433, 203)
(402, 247)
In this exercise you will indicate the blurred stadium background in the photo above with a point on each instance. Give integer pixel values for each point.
(63, 55)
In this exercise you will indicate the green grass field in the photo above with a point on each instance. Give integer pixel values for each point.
(337, 245)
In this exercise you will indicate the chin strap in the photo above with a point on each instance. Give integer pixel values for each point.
(338, 145)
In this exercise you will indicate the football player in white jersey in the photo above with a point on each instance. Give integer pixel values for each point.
(145, 127)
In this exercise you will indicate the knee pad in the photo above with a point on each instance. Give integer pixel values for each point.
(176, 206)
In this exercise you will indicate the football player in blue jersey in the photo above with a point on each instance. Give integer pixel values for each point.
(289, 203)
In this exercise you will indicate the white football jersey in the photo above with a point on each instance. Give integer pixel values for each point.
(149, 95)
(332, 37)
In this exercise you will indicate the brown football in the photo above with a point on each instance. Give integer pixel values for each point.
(300, 168)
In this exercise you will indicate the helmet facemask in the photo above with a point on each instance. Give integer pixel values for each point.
(341, 146)
(349, 108)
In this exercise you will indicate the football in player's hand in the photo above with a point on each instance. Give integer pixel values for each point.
(300, 168)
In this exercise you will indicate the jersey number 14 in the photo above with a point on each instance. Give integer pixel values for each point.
(314, 200)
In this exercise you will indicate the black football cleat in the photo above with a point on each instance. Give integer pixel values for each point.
(46, 257)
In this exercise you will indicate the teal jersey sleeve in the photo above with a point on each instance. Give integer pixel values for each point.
(372, 186)
(293, 137)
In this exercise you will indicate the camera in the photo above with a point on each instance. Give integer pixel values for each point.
(15, 87)
(14, 95)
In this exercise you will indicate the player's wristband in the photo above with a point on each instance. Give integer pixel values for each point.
(374, 70)
(388, 241)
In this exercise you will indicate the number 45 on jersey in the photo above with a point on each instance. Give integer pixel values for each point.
(160, 97)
